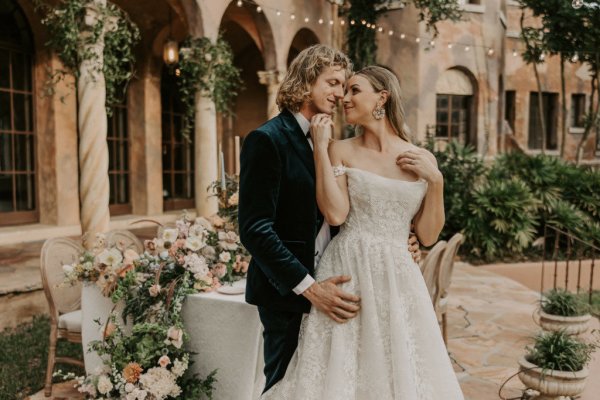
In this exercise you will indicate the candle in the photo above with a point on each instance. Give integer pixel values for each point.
(223, 178)
(237, 155)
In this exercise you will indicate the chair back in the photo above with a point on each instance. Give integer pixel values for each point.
(124, 239)
(55, 253)
(447, 265)
(430, 267)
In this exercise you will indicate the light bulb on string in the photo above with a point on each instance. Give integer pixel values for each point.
(449, 45)
(402, 36)
(390, 32)
(320, 21)
(418, 40)
(330, 22)
(258, 9)
(432, 43)
(490, 52)
(542, 57)
(467, 48)
(293, 17)
(363, 22)
(373, 26)
(306, 19)
(575, 58)
(342, 22)
(278, 13)
(514, 53)
(239, 3)
(380, 29)
(368, 25)
(352, 22)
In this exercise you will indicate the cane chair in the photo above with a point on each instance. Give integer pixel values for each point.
(124, 239)
(444, 279)
(64, 302)
(430, 267)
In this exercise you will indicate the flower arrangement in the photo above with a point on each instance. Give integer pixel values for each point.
(147, 359)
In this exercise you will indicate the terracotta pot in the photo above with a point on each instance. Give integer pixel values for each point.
(571, 325)
(552, 384)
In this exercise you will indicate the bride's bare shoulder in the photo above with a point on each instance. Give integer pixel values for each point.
(341, 150)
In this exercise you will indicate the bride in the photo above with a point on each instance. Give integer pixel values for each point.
(373, 185)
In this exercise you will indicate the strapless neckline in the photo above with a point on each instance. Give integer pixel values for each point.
(420, 180)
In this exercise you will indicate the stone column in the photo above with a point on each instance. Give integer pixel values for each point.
(93, 149)
(205, 152)
(272, 79)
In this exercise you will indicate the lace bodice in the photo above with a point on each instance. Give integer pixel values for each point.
(381, 207)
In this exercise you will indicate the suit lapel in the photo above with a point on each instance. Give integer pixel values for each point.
(298, 140)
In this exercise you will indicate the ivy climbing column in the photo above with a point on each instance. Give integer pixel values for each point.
(93, 149)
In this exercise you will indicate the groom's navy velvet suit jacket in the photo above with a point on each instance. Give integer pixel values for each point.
(278, 214)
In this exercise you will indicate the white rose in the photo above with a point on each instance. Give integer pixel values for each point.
(104, 384)
(170, 235)
(194, 243)
(225, 256)
(129, 387)
(67, 269)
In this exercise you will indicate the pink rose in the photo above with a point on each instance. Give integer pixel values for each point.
(174, 337)
(245, 265)
(219, 270)
(154, 290)
(164, 361)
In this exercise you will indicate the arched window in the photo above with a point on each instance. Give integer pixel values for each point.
(454, 107)
(117, 137)
(18, 197)
(177, 150)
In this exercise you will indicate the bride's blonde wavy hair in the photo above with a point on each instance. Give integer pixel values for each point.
(304, 71)
(383, 79)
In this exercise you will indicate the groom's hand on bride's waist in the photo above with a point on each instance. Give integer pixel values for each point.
(328, 298)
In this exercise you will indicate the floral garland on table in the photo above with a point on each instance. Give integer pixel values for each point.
(150, 362)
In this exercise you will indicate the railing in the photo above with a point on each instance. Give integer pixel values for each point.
(574, 261)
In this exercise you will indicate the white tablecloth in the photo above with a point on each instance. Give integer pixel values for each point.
(226, 334)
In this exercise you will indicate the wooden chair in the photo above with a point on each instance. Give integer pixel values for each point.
(64, 301)
(430, 267)
(444, 278)
(125, 239)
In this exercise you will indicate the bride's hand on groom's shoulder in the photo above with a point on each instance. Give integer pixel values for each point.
(321, 130)
(328, 298)
(420, 162)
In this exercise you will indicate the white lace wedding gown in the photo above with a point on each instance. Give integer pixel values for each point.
(393, 349)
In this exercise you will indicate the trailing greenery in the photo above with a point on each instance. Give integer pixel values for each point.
(70, 39)
(362, 40)
(563, 303)
(24, 356)
(207, 67)
(560, 352)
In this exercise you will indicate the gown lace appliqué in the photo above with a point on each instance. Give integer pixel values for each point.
(393, 349)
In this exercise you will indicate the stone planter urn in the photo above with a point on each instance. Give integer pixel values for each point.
(571, 325)
(94, 306)
(551, 384)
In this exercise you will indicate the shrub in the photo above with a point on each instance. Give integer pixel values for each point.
(502, 219)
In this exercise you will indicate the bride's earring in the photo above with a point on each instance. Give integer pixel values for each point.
(378, 112)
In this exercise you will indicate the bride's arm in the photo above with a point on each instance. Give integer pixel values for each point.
(332, 191)
(430, 219)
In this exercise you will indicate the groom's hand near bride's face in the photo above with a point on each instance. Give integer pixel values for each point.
(328, 298)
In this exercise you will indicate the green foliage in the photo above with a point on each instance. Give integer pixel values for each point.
(563, 303)
(362, 41)
(462, 169)
(560, 352)
(502, 221)
(70, 39)
(24, 356)
(207, 67)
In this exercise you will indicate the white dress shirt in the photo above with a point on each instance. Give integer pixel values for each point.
(324, 236)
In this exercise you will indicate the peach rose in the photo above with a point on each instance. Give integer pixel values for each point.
(132, 372)
(164, 361)
(154, 290)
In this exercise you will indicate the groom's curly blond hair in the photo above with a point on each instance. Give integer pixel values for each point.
(304, 71)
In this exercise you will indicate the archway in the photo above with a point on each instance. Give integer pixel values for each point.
(304, 38)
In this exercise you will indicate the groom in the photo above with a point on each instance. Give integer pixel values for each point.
(280, 223)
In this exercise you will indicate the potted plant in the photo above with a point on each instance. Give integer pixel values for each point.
(556, 365)
(561, 310)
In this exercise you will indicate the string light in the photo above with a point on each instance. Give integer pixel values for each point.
(467, 48)
(542, 57)
(258, 9)
(352, 22)
(368, 25)
(418, 40)
(330, 22)
(449, 45)
(293, 17)
(432, 43)
(278, 13)
(343, 22)
(363, 22)
(320, 21)
(490, 52)
(239, 3)
(306, 19)
(514, 53)
(575, 58)
(390, 32)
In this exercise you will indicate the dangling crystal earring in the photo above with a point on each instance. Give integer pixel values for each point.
(378, 112)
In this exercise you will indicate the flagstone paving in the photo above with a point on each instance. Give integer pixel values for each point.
(490, 323)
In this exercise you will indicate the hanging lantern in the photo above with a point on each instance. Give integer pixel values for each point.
(171, 52)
